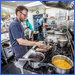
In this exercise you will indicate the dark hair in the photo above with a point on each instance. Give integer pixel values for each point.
(20, 8)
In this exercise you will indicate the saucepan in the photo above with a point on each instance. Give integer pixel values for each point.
(38, 56)
(62, 41)
(34, 58)
(65, 66)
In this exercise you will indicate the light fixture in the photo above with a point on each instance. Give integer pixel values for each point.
(13, 1)
(36, 3)
(47, 7)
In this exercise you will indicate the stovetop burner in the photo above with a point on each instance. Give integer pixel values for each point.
(40, 70)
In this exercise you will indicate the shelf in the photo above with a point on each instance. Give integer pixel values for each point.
(4, 32)
(4, 41)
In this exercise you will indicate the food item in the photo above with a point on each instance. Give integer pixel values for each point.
(63, 64)
(43, 47)
(40, 50)
(36, 57)
(62, 39)
(44, 50)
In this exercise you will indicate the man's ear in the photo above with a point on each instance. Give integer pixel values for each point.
(18, 13)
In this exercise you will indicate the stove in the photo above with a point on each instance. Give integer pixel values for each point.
(56, 50)
(40, 70)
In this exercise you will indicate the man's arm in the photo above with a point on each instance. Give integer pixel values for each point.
(28, 43)
(17, 36)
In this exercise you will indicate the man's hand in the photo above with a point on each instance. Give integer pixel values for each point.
(39, 44)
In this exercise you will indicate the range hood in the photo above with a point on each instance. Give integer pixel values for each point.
(60, 4)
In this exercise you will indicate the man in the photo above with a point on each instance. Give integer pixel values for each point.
(16, 33)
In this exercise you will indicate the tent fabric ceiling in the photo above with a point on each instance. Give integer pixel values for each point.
(9, 4)
(14, 4)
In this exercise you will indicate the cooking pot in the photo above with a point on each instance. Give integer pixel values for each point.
(59, 70)
(39, 59)
(38, 56)
(62, 41)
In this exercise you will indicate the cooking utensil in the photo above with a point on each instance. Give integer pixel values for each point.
(29, 59)
(59, 70)
(62, 41)
(39, 58)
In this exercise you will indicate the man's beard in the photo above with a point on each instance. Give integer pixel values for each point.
(21, 20)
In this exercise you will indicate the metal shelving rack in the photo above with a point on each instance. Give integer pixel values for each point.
(3, 41)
